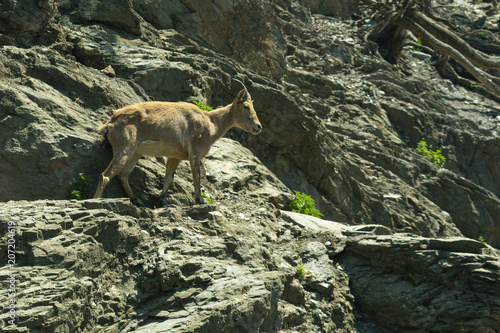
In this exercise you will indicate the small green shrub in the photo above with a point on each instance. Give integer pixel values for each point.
(419, 42)
(209, 200)
(304, 204)
(81, 188)
(203, 106)
(481, 239)
(301, 272)
(426, 151)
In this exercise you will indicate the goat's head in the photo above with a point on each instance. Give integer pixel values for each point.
(244, 113)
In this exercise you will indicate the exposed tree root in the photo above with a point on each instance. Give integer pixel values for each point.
(417, 16)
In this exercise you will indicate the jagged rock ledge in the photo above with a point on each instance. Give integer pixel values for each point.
(108, 265)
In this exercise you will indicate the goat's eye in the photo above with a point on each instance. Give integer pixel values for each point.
(246, 107)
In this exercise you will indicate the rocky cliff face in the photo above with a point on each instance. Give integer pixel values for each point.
(338, 124)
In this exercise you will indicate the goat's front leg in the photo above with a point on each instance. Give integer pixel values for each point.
(171, 165)
(195, 161)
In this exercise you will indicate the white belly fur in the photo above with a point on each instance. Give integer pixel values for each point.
(160, 148)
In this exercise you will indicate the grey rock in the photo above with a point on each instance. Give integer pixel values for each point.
(398, 246)
(424, 284)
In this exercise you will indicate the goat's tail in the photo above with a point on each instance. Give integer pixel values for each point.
(103, 131)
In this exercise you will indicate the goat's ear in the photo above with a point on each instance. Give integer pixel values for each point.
(242, 96)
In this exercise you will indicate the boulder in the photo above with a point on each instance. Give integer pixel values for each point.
(421, 284)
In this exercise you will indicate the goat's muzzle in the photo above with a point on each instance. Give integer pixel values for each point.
(257, 128)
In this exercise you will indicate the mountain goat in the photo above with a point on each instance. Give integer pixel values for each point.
(176, 130)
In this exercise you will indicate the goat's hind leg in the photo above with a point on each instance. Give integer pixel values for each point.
(114, 167)
(103, 181)
(123, 176)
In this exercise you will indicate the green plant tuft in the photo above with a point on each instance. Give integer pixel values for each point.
(419, 42)
(209, 200)
(203, 106)
(301, 272)
(304, 204)
(426, 151)
(81, 188)
(481, 239)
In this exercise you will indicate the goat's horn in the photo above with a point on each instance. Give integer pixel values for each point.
(248, 94)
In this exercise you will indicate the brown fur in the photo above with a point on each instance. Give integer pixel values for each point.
(179, 131)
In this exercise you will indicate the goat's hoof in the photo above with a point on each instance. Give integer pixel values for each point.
(167, 201)
(164, 202)
(138, 202)
(200, 201)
